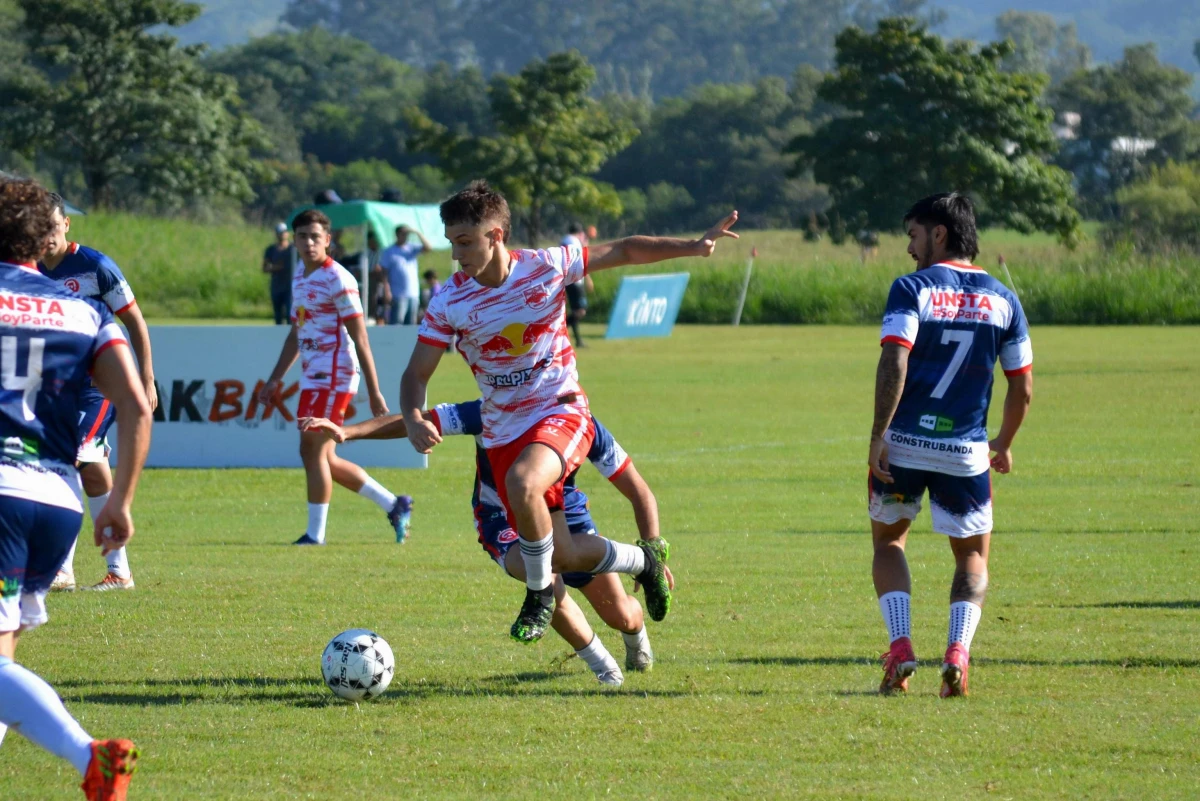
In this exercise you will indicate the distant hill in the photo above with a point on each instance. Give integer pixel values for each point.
(232, 22)
(1106, 26)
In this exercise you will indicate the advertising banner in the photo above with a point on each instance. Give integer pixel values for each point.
(646, 306)
(208, 411)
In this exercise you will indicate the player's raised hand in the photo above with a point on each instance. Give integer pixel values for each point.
(708, 242)
(1002, 461)
(379, 406)
(113, 526)
(328, 427)
(878, 461)
(423, 435)
(268, 389)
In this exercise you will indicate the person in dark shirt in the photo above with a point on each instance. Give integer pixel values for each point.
(279, 261)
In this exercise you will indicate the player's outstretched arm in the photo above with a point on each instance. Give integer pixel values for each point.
(139, 338)
(645, 506)
(356, 327)
(651, 249)
(287, 357)
(1016, 406)
(387, 427)
(117, 378)
(889, 385)
(422, 433)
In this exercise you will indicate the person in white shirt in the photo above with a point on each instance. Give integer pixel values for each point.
(399, 263)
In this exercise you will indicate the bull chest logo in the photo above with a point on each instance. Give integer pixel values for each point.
(536, 297)
(515, 339)
(72, 284)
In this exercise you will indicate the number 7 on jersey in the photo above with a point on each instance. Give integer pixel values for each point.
(963, 340)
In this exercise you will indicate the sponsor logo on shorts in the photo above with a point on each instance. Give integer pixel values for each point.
(963, 448)
(10, 588)
(507, 536)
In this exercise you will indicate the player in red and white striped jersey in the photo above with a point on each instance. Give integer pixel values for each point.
(507, 309)
(330, 336)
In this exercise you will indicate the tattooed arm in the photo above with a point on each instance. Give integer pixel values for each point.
(889, 384)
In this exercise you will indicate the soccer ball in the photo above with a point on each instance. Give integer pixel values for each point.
(358, 664)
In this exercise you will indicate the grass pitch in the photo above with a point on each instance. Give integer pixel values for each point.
(1085, 679)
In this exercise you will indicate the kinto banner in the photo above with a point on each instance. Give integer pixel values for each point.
(647, 306)
(208, 410)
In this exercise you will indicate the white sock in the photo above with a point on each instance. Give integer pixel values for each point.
(964, 619)
(372, 490)
(537, 555)
(3, 731)
(31, 707)
(597, 656)
(68, 565)
(96, 504)
(620, 557)
(118, 560)
(635, 641)
(896, 614)
(317, 514)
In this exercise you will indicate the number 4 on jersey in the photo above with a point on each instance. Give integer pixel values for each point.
(27, 384)
(963, 340)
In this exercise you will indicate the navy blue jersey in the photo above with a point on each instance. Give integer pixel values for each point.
(606, 455)
(957, 320)
(49, 339)
(88, 273)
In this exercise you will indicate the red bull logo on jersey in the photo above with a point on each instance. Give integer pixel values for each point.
(536, 297)
(515, 339)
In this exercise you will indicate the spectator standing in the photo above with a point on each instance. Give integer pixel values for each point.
(431, 288)
(577, 292)
(381, 293)
(279, 261)
(399, 261)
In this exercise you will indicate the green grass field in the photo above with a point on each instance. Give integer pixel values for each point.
(1085, 679)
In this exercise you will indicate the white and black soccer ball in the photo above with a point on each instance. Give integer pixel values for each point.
(358, 664)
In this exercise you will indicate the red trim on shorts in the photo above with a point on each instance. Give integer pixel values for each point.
(898, 340)
(1020, 370)
(624, 466)
(126, 307)
(99, 419)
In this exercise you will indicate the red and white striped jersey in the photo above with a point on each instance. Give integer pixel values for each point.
(514, 337)
(321, 302)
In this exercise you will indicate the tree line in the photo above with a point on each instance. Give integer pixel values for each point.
(832, 130)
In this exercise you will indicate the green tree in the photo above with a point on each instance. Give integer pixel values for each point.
(1133, 114)
(326, 95)
(132, 109)
(924, 116)
(721, 145)
(1040, 44)
(551, 137)
(1161, 212)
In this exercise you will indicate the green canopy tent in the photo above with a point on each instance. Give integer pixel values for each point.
(381, 219)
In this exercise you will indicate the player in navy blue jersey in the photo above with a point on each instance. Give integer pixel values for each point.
(50, 340)
(603, 590)
(944, 329)
(90, 274)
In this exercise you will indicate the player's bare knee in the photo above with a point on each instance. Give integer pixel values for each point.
(970, 587)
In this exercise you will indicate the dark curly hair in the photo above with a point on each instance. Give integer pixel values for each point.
(476, 204)
(957, 213)
(25, 220)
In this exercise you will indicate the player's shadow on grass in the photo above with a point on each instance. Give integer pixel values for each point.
(181, 692)
(1128, 662)
(1141, 605)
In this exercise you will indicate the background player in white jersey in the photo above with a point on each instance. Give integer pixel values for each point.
(945, 327)
(604, 592)
(330, 337)
(51, 340)
(507, 311)
(91, 274)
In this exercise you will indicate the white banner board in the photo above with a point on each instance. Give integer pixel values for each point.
(208, 411)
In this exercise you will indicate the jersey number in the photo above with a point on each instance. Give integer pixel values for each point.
(29, 383)
(963, 340)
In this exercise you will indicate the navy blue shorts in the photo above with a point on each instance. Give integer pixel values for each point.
(98, 417)
(497, 536)
(34, 541)
(961, 506)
